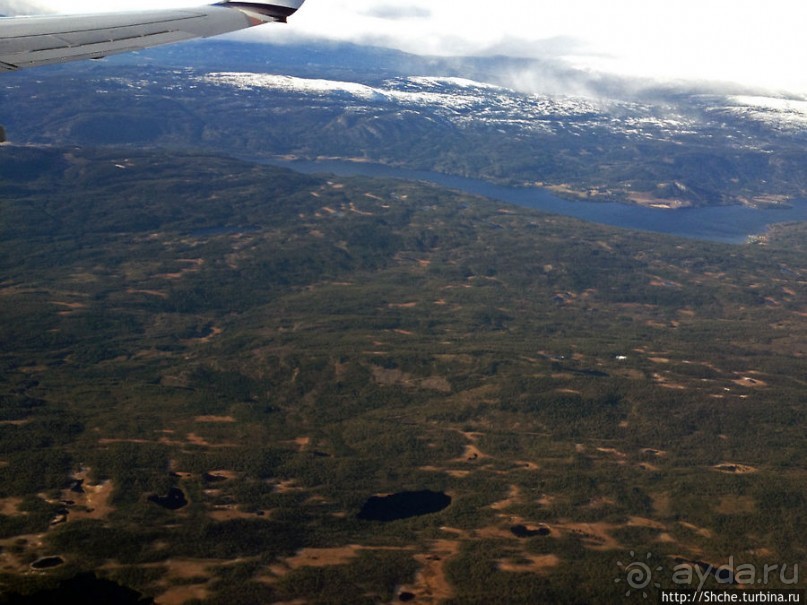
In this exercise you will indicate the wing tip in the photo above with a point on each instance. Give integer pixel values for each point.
(277, 10)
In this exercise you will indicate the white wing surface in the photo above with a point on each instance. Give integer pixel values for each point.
(30, 41)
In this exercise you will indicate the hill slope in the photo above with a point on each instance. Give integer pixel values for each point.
(208, 367)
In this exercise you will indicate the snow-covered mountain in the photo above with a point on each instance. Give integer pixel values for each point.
(466, 102)
(784, 114)
(461, 100)
(669, 148)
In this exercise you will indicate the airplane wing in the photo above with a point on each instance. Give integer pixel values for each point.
(30, 41)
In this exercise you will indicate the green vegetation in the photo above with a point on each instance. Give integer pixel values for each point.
(282, 347)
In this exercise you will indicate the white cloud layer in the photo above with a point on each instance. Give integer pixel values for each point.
(758, 44)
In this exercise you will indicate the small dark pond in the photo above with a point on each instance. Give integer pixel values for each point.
(210, 478)
(403, 505)
(77, 486)
(522, 531)
(47, 563)
(174, 500)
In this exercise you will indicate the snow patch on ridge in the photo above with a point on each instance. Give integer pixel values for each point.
(784, 113)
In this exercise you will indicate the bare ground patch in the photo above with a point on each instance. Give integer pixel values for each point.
(194, 439)
(73, 306)
(613, 452)
(645, 522)
(436, 383)
(288, 486)
(34, 369)
(110, 440)
(665, 382)
(191, 578)
(701, 531)
(749, 382)
(319, 557)
(471, 454)
(513, 497)
(496, 532)
(177, 595)
(432, 469)
(600, 502)
(95, 502)
(15, 422)
(214, 419)
(86, 499)
(457, 474)
(70, 308)
(531, 563)
(662, 503)
(10, 507)
(735, 468)
(156, 293)
(595, 536)
(229, 513)
(193, 265)
(214, 332)
(17, 552)
(431, 583)
(302, 443)
(322, 557)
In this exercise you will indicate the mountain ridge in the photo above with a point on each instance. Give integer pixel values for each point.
(671, 150)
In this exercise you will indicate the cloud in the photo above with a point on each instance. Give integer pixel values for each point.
(13, 8)
(547, 48)
(736, 41)
(395, 12)
(721, 41)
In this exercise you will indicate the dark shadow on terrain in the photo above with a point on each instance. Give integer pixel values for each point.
(83, 588)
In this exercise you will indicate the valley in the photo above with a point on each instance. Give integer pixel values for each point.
(660, 148)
